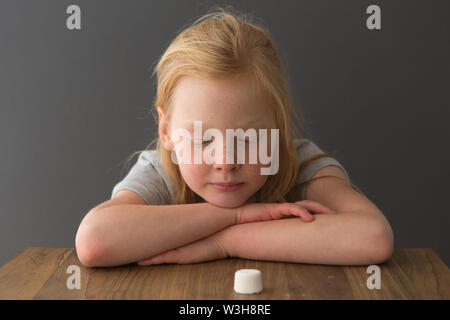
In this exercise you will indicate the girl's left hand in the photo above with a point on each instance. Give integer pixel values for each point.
(210, 248)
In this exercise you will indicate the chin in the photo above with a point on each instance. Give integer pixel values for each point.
(226, 203)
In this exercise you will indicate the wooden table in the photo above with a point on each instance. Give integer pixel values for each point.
(41, 273)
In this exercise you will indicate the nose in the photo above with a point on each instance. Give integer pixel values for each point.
(227, 167)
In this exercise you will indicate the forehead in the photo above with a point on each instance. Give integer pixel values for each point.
(238, 87)
(232, 99)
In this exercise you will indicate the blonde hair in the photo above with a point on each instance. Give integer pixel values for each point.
(220, 44)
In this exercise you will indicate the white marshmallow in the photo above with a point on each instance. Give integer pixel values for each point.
(248, 281)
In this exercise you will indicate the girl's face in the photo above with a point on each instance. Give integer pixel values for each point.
(220, 104)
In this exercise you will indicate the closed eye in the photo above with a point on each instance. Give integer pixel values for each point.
(205, 142)
(201, 142)
(246, 140)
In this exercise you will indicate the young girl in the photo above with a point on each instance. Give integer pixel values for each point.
(226, 72)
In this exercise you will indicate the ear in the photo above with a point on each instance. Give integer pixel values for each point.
(163, 130)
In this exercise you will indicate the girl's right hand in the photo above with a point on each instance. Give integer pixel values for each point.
(254, 212)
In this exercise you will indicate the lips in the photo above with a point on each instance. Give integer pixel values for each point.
(227, 184)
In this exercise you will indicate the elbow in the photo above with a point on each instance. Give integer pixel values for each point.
(87, 246)
(86, 255)
(381, 244)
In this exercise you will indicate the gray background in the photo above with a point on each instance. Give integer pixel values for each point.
(75, 104)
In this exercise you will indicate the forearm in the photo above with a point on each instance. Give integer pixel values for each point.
(337, 239)
(123, 234)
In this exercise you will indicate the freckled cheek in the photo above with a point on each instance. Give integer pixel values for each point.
(194, 174)
(254, 173)
(185, 152)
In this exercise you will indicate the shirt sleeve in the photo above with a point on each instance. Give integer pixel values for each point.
(144, 179)
(306, 149)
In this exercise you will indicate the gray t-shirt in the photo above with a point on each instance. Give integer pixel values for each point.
(148, 179)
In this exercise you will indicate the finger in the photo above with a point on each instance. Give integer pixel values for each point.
(315, 206)
(146, 262)
(170, 256)
(306, 215)
(202, 250)
(153, 260)
(292, 209)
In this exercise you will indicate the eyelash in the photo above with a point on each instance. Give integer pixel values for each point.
(207, 142)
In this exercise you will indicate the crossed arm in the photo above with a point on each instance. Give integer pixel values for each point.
(358, 234)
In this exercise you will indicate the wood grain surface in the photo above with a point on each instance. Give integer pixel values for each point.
(41, 273)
